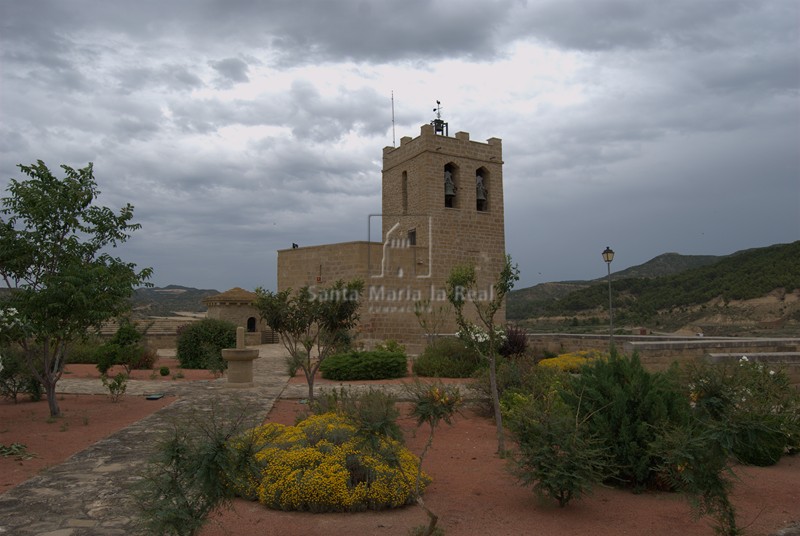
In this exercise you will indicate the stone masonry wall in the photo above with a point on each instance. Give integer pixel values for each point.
(422, 239)
(658, 353)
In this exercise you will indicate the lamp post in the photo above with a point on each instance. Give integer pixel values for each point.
(608, 256)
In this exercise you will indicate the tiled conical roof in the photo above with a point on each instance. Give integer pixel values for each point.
(234, 295)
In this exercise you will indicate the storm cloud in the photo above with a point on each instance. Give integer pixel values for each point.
(238, 128)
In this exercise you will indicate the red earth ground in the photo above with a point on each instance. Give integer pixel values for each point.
(472, 493)
(176, 373)
(85, 420)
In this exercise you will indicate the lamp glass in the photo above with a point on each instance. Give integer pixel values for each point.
(608, 254)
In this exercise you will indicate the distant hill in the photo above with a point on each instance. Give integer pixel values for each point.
(750, 289)
(169, 300)
(667, 264)
(521, 303)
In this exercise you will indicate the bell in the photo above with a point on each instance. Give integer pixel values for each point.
(480, 194)
(449, 190)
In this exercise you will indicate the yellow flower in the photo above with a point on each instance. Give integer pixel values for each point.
(321, 465)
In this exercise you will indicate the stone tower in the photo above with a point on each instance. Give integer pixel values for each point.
(442, 206)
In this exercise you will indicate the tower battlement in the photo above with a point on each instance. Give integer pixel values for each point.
(442, 206)
(428, 140)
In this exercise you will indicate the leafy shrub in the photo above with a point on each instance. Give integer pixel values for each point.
(372, 412)
(116, 386)
(695, 461)
(324, 465)
(625, 406)
(146, 360)
(516, 342)
(16, 376)
(87, 351)
(129, 357)
(556, 455)
(518, 374)
(447, 358)
(391, 345)
(573, 361)
(126, 349)
(200, 344)
(758, 406)
(164, 371)
(355, 365)
(18, 450)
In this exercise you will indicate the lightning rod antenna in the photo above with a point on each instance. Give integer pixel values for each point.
(393, 140)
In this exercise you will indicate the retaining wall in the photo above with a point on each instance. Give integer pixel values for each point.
(659, 352)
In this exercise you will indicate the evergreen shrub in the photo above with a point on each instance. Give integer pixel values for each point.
(370, 365)
(200, 344)
(625, 407)
(447, 358)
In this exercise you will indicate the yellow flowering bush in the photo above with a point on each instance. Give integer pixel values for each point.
(324, 465)
(573, 361)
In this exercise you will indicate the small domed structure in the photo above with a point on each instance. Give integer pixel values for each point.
(237, 305)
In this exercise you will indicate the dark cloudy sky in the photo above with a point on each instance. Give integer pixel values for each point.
(238, 127)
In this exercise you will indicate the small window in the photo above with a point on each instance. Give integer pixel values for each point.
(412, 237)
(251, 324)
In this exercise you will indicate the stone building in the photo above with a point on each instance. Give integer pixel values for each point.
(236, 305)
(442, 205)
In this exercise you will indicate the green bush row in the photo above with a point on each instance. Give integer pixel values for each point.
(16, 376)
(200, 344)
(371, 365)
(447, 358)
(618, 423)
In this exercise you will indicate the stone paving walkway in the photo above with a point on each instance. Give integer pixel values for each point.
(86, 495)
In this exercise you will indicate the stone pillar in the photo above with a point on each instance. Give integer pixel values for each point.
(240, 362)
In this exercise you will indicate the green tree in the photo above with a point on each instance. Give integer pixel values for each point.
(460, 286)
(126, 348)
(200, 344)
(53, 244)
(311, 323)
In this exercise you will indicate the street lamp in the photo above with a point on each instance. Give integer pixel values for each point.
(608, 256)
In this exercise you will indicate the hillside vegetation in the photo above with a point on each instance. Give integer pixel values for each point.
(665, 301)
(544, 293)
(169, 300)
